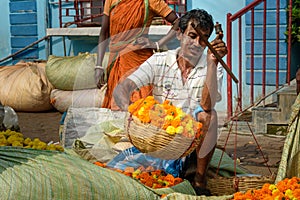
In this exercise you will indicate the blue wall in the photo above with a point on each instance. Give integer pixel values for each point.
(23, 22)
(219, 10)
(56, 43)
(23, 28)
(4, 30)
(271, 45)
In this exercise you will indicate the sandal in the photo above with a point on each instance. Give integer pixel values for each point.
(199, 186)
(202, 191)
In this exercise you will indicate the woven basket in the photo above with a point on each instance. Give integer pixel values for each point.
(157, 142)
(226, 186)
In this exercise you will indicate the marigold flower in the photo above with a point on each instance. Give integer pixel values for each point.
(285, 189)
(171, 130)
(179, 130)
(169, 118)
(165, 116)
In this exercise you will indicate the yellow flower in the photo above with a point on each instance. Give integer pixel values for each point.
(275, 191)
(169, 117)
(272, 187)
(179, 130)
(180, 113)
(171, 130)
(289, 193)
(141, 111)
(189, 125)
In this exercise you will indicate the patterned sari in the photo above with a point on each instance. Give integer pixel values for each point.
(128, 21)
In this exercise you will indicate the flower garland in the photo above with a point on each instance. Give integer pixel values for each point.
(287, 189)
(166, 116)
(148, 176)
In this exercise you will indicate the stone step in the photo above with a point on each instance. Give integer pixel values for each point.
(273, 118)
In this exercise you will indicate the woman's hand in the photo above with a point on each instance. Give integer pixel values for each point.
(99, 77)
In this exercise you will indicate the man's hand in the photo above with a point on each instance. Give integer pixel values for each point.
(219, 46)
(99, 77)
(122, 93)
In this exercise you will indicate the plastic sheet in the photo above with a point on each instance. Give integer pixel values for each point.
(8, 118)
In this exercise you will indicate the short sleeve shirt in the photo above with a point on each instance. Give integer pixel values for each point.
(162, 71)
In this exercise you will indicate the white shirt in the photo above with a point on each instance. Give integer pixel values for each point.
(162, 71)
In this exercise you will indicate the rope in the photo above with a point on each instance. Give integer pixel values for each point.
(234, 120)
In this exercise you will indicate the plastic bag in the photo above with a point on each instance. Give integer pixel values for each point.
(8, 118)
(132, 157)
(1, 116)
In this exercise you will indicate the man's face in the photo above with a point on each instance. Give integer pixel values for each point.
(192, 45)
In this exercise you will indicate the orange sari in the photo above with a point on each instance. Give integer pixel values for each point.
(128, 21)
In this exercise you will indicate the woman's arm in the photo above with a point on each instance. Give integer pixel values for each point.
(102, 45)
(174, 20)
(171, 18)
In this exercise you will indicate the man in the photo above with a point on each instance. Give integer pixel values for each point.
(189, 79)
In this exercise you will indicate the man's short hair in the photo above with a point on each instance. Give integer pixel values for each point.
(201, 17)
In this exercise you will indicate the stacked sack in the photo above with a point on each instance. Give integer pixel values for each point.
(25, 87)
(74, 82)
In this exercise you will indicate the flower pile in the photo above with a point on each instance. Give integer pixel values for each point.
(165, 116)
(288, 189)
(148, 176)
(17, 139)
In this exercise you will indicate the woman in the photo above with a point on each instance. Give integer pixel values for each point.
(126, 23)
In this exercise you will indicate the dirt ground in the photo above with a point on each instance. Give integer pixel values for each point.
(45, 125)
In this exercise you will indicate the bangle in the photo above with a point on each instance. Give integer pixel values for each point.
(99, 67)
(157, 46)
(198, 109)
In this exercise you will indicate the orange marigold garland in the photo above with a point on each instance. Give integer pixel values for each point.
(287, 189)
(166, 116)
(148, 176)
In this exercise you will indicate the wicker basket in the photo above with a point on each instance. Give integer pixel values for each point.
(158, 143)
(226, 186)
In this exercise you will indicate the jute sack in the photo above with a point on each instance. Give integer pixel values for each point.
(25, 87)
(40, 174)
(72, 72)
(62, 99)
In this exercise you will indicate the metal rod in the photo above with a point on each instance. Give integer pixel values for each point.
(197, 28)
(289, 43)
(240, 91)
(246, 9)
(21, 50)
(252, 58)
(277, 41)
(264, 50)
(229, 61)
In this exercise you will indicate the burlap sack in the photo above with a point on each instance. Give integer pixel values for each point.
(62, 99)
(72, 72)
(25, 87)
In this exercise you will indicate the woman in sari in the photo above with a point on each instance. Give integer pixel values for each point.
(126, 24)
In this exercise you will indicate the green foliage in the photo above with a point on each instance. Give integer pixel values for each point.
(295, 32)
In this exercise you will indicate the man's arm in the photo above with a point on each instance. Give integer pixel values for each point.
(210, 90)
(122, 93)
